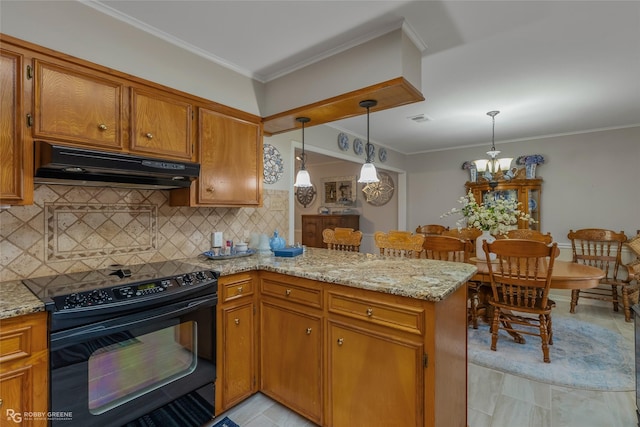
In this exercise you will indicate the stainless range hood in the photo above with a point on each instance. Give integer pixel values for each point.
(58, 164)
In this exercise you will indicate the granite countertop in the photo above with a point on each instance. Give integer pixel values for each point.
(414, 278)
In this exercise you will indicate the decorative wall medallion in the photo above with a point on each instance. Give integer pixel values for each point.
(343, 141)
(306, 195)
(379, 193)
(382, 154)
(358, 146)
(273, 165)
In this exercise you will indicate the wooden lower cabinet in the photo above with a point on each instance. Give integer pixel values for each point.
(312, 226)
(24, 370)
(373, 378)
(236, 340)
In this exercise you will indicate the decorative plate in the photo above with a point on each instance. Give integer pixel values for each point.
(358, 146)
(306, 195)
(532, 205)
(343, 141)
(382, 154)
(273, 165)
(379, 193)
(371, 151)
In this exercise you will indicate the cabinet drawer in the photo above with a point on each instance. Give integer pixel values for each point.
(235, 287)
(300, 294)
(404, 318)
(15, 343)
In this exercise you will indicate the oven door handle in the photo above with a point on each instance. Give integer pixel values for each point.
(131, 321)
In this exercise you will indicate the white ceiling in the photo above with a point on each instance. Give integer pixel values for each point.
(550, 67)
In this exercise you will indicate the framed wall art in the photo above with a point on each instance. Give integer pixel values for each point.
(338, 191)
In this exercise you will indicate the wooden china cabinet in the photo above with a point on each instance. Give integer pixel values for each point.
(527, 191)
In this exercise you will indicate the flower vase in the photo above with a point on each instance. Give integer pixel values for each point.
(530, 170)
(473, 172)
(276, 242)
(486, 235)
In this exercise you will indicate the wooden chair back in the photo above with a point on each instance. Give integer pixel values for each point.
(525, 233)
(445, 248)
(599, 248)
(431, 229)
(469, 233)
(342, 239)
(399, 243)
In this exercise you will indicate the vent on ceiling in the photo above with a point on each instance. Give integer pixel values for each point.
(419, 118)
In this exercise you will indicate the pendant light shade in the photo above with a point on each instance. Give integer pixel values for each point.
(302, 178)
(368, 172)
(492, 165)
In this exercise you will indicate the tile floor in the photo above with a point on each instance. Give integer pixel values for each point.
(509, 401)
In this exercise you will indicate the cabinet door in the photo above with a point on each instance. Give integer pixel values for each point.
(160, 125)
(291, 359)
(230, 160)
(77, 107)
(312, 231)
(238, 369)
(16, 167)
(373, 379)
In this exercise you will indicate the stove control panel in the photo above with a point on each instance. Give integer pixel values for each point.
(134, 290)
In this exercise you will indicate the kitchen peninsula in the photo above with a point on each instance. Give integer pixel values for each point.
(341, 338)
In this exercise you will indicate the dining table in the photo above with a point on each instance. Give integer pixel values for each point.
(565, 275)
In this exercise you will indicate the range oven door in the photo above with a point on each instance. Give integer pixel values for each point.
(111, 372)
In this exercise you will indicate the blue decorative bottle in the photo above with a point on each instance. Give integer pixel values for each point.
(276, 242)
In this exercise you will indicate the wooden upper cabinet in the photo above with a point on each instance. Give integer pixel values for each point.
(160, 125)
(16, 164)
(230, 160)
(80, 107)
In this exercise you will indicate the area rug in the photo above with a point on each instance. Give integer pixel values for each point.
(583, 356)
(225, 422)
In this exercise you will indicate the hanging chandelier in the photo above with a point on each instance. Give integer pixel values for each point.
(493, 164)
(368, 172)
(302, 178)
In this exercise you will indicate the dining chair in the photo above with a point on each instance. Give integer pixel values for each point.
(342, 239)
(445, 248)
(520, 283)
(601, 248)
(431, 229)
(527, 234)
(399, 243)
(467, 233)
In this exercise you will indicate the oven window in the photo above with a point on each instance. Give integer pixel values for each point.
(120, 372)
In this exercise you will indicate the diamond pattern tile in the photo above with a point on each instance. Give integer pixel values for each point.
(70, 229)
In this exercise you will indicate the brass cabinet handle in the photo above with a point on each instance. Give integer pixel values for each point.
(149, 135)
(210, 189)
(308, 331)
(340, 341)
(236, 321)
(369, 312)
(102, 126)
(239, 289)
(287, 292)
(1, 402)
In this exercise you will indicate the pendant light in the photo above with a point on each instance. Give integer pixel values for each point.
(493, 165)
(302, 178)
(368, 172)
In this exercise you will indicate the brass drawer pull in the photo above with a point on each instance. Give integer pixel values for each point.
(102, 126)
(308, 331)
(340, 341)
(239, 289)
(369, 312)
(236, 321)
(149, 135)
(287, 292)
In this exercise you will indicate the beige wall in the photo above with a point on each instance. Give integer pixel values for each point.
(590, 180)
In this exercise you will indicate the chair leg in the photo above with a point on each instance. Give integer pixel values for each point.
(575, 294)
(626, 303)
(545, 338)
(550, 329)
(494, 328)
(474, 310)
(614, 295)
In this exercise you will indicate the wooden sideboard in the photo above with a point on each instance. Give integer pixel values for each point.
(312, 226)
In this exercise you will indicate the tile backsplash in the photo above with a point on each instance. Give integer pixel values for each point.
(70, 229)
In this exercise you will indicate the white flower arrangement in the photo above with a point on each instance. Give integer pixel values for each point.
(497, 216)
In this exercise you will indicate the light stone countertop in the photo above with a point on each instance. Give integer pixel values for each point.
(414, 278)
